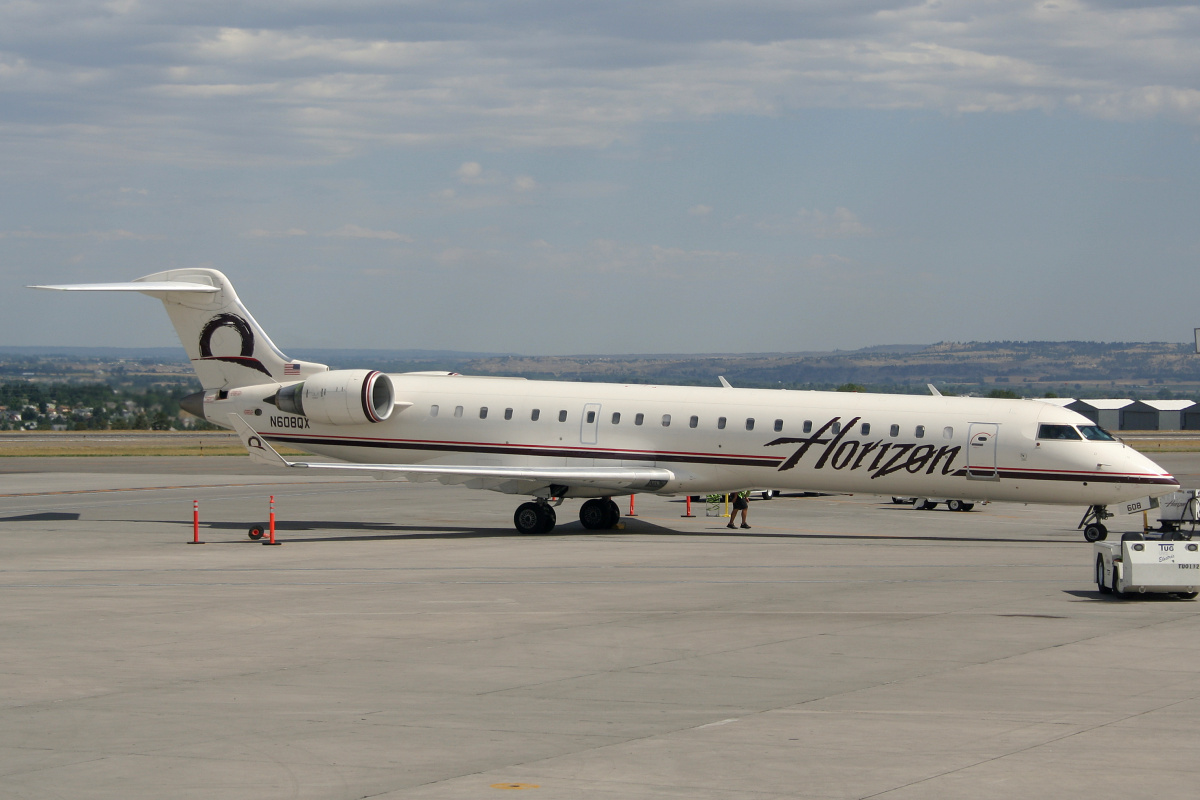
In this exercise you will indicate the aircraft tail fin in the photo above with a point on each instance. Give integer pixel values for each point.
(227, 347)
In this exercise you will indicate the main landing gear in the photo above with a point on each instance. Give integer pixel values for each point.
(1093, 523)
(539, 517)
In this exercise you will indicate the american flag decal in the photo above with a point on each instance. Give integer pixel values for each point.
(291, 369)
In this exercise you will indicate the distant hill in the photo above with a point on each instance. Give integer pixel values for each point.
(1079, 369)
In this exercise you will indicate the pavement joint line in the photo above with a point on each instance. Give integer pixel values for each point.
(162, 488)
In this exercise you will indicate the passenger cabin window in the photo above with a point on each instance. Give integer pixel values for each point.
(919, 432)
(837, 428)
(457, 411)
(808, 426)
(947, 432)
(1095, 433)
(562, 416)
(616, 418)
(666, 420)
(639, 419)
(508, 413)
(533, 415)
(778, 425)
(721, 423)
(894, 431)
(433, 411)
(483, 413)
(750, 423)
(693, 422)
(591, 417)
(865, 429)
(1058, 432)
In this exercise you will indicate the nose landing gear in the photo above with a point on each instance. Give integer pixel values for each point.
(1093, 523)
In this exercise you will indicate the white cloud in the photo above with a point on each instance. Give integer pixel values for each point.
(350, 231)
(469, 172)
(323, 80)
(117, 235)
(700, 211)
(841, 223)
(262, 233)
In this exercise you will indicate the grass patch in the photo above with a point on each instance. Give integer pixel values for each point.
(39, 444)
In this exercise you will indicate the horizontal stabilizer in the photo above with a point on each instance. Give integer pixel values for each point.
(132, 286)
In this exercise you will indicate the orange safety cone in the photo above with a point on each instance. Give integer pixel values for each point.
(195, 523)
(272, 524)
(689, 508)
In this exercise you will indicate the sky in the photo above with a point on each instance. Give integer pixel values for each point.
(686, 176)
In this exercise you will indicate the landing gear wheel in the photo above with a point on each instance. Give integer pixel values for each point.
(1100, 584)
(967, 506)
(595, 515)
(614, 513)
(255, 532)
(534, 518)
(928, 505)
(1095, 532)
(1186, 595)
(900, 500)
(955, 505)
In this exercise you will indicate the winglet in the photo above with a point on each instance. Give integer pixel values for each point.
(933, 390)
(724, 382)
(260, 452)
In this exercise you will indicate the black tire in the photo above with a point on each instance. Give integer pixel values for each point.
(1186, 595)
(549, 518)
(900, 501)
(528, 519)
(955, 505)
(929, 505)
(1095, 532)
(256, 532)
(614, 513)
(594, 514)
(967, 506)
(1104, 589)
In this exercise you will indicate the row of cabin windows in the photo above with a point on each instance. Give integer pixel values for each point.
(694, 422)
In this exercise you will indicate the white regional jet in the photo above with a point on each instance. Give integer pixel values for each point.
(554, 440)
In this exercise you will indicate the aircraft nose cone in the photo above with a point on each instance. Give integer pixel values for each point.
(194, 405)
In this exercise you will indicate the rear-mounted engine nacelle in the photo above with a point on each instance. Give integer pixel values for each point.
(340, 397)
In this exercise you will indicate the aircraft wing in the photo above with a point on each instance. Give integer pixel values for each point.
(515, 480)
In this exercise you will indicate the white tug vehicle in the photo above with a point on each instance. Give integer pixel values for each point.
(1136, 565)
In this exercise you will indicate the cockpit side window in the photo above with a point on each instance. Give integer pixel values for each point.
(1095, 433)
(1057, 432)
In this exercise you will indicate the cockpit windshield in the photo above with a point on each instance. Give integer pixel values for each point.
(1095, 433)
(1058, 432)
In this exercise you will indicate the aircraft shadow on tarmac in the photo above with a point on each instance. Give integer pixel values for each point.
(376, 531)
(1094, 595)
(45, 516)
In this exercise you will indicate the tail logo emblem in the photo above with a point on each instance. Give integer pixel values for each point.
(242, 328)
